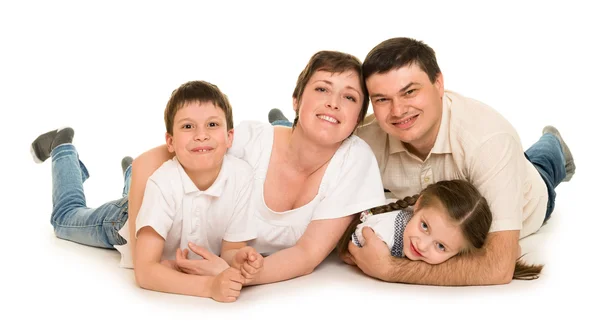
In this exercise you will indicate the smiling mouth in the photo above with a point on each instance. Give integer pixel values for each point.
(202, 150)
(414, 250)
(406, 123)
(328, 118)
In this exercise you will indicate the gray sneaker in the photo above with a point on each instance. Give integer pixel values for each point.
(570, 162)
(43, 145)
(125, 163)
(275, 115)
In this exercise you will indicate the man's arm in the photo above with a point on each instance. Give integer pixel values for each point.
(493, 265)
(141, 169)
(312, 248)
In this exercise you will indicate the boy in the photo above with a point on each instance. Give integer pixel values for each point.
(200, 197)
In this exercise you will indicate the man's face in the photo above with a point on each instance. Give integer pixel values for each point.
(407, 105)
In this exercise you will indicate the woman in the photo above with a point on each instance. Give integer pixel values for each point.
(309, 179)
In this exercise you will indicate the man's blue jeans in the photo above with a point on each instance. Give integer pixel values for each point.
(71, 218)
(549, 160)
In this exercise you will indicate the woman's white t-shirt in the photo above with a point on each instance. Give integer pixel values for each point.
(351, 184)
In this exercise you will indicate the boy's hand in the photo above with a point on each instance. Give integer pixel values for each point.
(172, 264)
(210, 265)
(226, 286)
(249, 262)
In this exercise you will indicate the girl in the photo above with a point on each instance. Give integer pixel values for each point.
(449, 218)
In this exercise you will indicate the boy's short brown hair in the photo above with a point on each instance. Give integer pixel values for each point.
(196, 92)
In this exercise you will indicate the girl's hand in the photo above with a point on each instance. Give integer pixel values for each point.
(210, 265)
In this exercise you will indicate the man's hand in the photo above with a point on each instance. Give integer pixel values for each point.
(226, 286)
(374, 258)
(249, 262)
(210, 265)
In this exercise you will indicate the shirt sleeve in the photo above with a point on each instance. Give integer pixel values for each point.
(498, 171)
(249, 141)
(157, 211)
(384, 226)
(242, 227)
(356, 187)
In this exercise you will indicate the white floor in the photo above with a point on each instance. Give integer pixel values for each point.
(108, 71)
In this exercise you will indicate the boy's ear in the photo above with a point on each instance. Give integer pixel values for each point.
(295, 103)
(169, 140)
(229, 138)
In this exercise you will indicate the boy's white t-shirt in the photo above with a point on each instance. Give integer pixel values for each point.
(180, 213)
(351, 184)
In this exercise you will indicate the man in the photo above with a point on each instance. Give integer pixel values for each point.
(422, 134)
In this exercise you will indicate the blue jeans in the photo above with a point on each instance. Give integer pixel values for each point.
(71, 218)
(282, 123)
(547, 157)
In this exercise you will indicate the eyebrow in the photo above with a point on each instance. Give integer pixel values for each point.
(190, 119)
(402, 90)
(330, 83)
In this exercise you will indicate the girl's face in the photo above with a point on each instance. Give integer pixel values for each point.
(431, 236)
(329, 106)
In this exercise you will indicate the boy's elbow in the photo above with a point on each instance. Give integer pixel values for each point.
(142, 278)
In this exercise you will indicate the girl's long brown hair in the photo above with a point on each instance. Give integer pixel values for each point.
(464, 205)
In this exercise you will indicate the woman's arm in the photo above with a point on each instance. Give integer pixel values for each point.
(141, 169)
(312, 248)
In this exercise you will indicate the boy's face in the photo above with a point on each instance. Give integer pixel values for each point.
(431, 236)
(200, 137)
(330, 105)
(407, 105)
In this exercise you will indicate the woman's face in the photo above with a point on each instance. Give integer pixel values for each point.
(329, 106)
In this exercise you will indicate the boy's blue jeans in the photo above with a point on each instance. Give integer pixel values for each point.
(71, 218)
(547, 157)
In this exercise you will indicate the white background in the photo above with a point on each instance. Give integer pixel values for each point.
(107, 69)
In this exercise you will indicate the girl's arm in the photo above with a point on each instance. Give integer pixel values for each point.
(312, 248)
(141, 169)
(151, 274)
